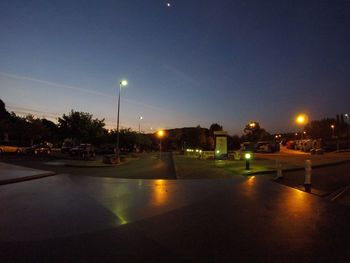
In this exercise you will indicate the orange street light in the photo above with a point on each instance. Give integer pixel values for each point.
(160, 135)
(252, 124)
(301, 119)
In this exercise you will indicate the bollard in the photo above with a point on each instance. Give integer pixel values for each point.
(279, 169)
(247, 157)
(247, 165)
(308, 169)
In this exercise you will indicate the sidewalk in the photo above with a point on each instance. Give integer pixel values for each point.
(10, 173)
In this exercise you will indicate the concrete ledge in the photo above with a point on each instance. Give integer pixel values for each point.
(26, 178)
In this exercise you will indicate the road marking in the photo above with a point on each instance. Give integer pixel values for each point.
(341, 193)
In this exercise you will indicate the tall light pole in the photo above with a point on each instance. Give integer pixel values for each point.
(140, 118)
(122, 83)
(301, 119)
(160, 135)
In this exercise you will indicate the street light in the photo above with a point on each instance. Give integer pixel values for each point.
(140, 118)
(122, 83)
(252, 124)
(332, 127)
(160, 135)
(301, 119)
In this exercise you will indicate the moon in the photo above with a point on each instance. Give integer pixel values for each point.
(168, 4)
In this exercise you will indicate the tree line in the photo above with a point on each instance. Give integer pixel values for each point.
(75, 127)
(81, 127)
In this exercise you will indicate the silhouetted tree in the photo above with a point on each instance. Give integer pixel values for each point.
(4, 121)
(321, 129)
(81, 127)
(254, 133)
(215, 127)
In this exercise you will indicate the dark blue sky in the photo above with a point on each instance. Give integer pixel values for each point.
(197, 62)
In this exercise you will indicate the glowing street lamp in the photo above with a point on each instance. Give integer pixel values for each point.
(122, 83)
(332, 127)
(160, 135)
(300, 119)
(252, 124)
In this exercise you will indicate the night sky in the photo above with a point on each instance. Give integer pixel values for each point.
(193, 63)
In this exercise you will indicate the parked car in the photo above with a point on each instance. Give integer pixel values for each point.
(10, 147)
(67, 146)
(39, 149)
(106, 149)
(316, 151)
(247, 147)
(267, 147)
(65, 149)
(84, 151)
(290, 145)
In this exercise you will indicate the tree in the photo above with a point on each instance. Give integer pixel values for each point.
(4, 121)
(81, 127)
(233, 142)
(51, 131)
(254, 133)
(322, 129)
(214, 127)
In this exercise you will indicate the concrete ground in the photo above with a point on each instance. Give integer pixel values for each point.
(192, 168)
(68, 218)
(146, 166)
(326, 180)
(330, 175)
(297, 159)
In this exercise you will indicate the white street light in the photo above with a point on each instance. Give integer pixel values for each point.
(122, 83)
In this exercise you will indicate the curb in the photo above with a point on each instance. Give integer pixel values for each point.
(91, 166)
(98, 165)
(26, 178)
